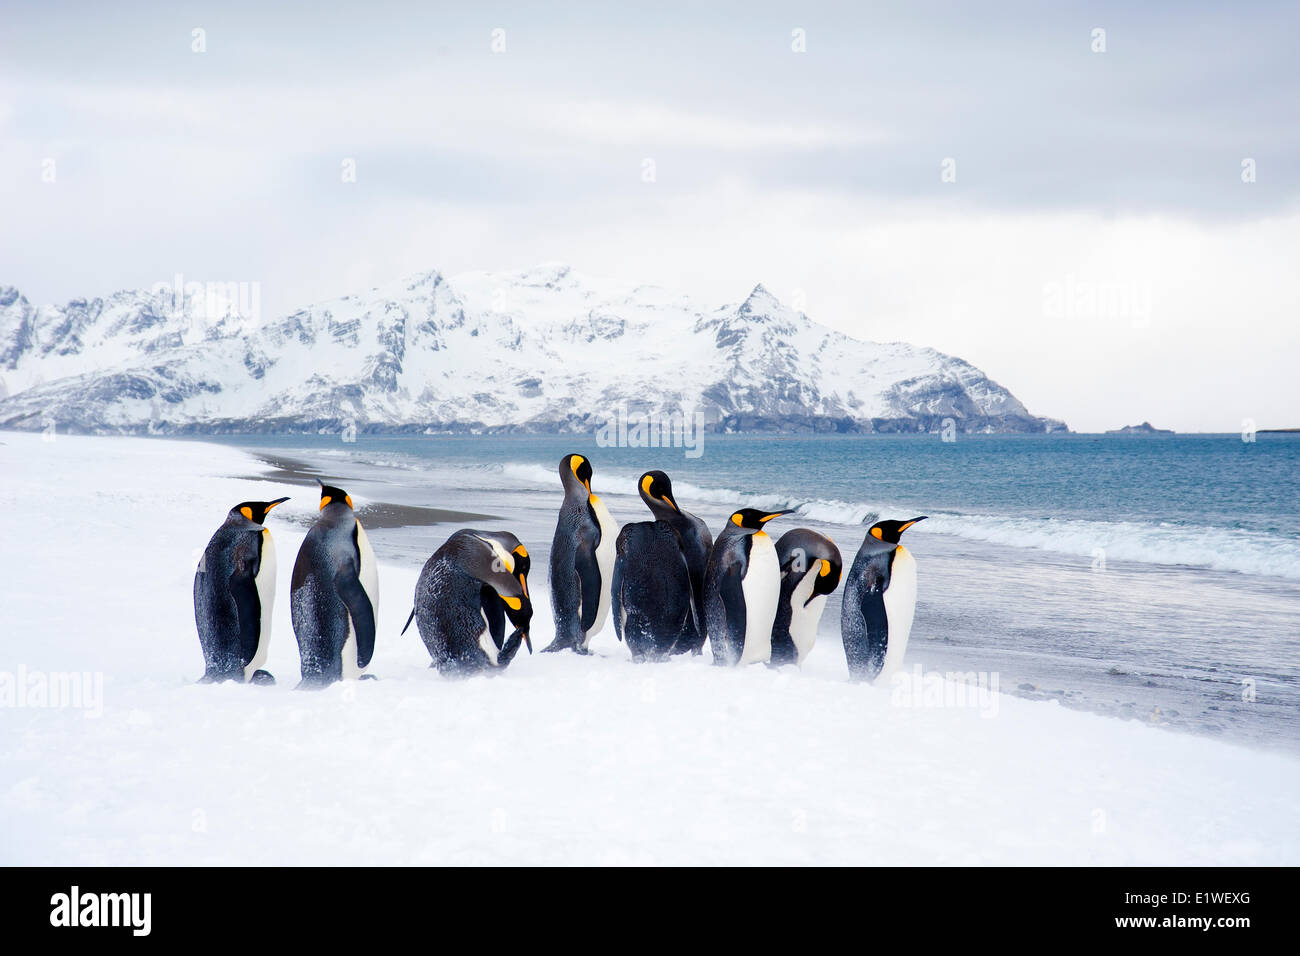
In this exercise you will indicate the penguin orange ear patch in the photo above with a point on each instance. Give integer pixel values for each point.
(348, 499)
(878, 534)
(325, 499)
(247, 512)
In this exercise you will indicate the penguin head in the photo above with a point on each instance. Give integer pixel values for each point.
(501, 562)
(891, 531)
(657, 492)
(330, 495)
(575, 472)
(828, 576)
(803, 551)
(751, 519)
(255, 511)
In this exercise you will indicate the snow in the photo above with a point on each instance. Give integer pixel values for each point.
(540, 343)
(561, 759)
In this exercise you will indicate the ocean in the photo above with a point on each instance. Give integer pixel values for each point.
(1149, 577)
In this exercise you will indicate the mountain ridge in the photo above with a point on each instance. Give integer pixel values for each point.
(541, 350)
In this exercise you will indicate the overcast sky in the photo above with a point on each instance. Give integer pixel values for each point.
(1097, 252)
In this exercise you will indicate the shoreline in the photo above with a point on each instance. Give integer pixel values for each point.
(1092, 666)
(377, 515)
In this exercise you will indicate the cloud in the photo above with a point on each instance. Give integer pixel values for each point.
(1079, 177)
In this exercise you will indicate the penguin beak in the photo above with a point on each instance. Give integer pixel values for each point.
(907, 524)
(673, 504)
(277, 501)
(528, 642)
(776, 514)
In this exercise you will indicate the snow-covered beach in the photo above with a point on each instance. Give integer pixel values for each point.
(558, 760)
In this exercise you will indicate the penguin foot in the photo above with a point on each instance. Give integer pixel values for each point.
(555, 645)
(262, 678)
(367, 677)
(219, 677)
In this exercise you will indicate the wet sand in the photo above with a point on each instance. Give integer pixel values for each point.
(374, 515)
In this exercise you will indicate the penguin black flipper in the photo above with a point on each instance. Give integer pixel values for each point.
(616, 583)
(871, 601)
(588, 581)
(731, 590)
(510, 648)
(494, 612)
(243, 588)
(783, 649)
(354, 597)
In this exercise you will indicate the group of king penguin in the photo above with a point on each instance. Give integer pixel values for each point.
(668, 583)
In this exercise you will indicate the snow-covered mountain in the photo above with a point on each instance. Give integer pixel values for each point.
(542, 350)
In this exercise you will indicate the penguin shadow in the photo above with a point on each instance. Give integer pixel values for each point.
(318, 684)
(259, 678)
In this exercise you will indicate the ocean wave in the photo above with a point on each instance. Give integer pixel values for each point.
(1161, 543)
(1222, 549)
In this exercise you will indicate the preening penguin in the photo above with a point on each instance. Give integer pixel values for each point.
(695, 541)
(467, 591)
(879, 601)
(651, 592)
(582, 559)
(742, 584)
(810, 570)
(334, 599)
(234, 595)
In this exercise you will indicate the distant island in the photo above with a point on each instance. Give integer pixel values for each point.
(1146, 428)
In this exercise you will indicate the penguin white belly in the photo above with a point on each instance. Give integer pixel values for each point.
(350, 669)
(605, 562)
(369, 577)
(900, 606)
(762, 589)
(804, 620)
(265, 582)
(485, 641)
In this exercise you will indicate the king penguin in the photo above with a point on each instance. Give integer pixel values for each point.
(695, 540)
(334, 598)
(582, 559)
(234, 595)
(810, 570)
(466, 592)
(651, 592)
(879, 601)
(742, 584)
